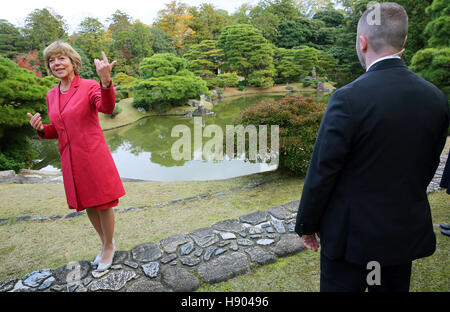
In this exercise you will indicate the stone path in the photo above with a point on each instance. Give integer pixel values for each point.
(183, 262)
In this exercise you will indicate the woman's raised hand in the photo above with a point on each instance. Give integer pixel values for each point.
(104, 69)
(36, 122)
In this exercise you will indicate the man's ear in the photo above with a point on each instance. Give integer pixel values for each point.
(363, 43)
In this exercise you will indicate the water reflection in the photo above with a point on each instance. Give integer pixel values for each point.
(143, 150)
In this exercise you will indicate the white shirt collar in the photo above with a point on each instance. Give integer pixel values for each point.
(382, 58)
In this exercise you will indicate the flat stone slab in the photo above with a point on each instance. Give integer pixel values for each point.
(260, 256)
(120, 256)
(146, 252)
(292, 206)
(231, 225)
(47, 283)
(171, 243)
(113, 281)
(71, 272)
(190, 261)
(146, 285)
(279, 226)
(244, 242)
(209, 252)
(96, 274)
(187, 248)
(289, 244)
(20, 287)
(34, 279)
(151, 269)
(7, 284)
(168, 258)
(204, 237)
(255, 217)
(265, 241)
(227, 235)
(179, 279)
(224, 267)
(131, 264)
(280, 212)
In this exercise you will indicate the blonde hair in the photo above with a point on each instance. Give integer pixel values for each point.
(62, 47)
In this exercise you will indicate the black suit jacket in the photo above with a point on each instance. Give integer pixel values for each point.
(377, 149)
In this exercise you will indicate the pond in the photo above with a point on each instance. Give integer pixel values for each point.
(142, 150)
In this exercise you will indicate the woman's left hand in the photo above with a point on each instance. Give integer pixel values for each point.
(104, 69)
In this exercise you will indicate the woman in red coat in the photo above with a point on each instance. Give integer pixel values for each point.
(91, 180)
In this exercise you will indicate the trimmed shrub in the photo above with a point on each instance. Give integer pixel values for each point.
(298, 119)
(166, 83)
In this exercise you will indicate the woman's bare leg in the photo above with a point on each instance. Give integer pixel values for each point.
(106, 217)
(95, 220)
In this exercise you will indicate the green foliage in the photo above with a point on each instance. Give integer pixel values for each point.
(124, 85)
(20, 92)
(166, 82)
(308, 81)
(294, 64)
(298, 120)
(131, 43)
(92, 40)
(123, 80)
(161, 41)
(418, 18)
(87, 70)
(117, 110)
(42, 27)
(228, 80)
(438, 29)
(331, 18)
(433, 64)
(267, 16)
(292, 34)
(15, 149)
(204, 58)
(11, 40)
(162, 64)
(206, 23)
(248, 53)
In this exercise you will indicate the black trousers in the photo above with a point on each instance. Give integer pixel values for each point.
(342, 276)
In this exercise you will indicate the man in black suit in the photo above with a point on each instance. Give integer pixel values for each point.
(377, 149)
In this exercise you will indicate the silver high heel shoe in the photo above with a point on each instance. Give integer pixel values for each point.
(97, 259)
(105, 266)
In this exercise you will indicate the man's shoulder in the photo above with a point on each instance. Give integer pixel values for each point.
(406, 79)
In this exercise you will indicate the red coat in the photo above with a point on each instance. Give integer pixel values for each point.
(90, 175)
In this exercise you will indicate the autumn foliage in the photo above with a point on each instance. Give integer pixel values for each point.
(298, 119)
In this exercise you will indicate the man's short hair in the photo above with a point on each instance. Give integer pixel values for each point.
(386, 31)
